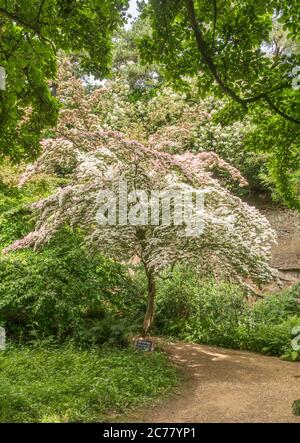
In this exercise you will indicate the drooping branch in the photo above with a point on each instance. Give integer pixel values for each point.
(204, 51)
(40, 10)
(279, 112)
(202, 46)
(13, 17)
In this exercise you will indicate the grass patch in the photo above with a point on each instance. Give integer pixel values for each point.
(296, 407)
(68, 385)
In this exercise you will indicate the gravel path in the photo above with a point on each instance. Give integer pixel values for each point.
(227, 386)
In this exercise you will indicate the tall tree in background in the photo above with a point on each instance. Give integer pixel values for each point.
(31, 34)
(228, 47)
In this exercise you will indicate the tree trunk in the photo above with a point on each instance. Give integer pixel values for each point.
(149, 315)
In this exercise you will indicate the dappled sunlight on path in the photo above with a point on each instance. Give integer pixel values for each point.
(223, 385)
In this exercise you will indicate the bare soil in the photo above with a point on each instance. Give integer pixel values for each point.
(223, 385)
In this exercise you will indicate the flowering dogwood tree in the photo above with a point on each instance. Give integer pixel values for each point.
(107, 168)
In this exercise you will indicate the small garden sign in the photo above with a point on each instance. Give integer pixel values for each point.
(144, 345)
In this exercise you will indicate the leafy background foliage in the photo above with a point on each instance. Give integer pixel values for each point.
(219, 314)
(32, 34)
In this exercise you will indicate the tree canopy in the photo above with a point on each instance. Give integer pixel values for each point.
(32, 32)
(232, 50)
(245, 53)
(226, 42)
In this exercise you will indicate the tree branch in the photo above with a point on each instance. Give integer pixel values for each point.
(265, 94)
(279, 112)
(40, 10)
(25, 25)
(215, 19)
(208, 60)
(16, 19)
(203, 49)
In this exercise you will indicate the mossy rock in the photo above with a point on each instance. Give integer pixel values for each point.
(296, 407)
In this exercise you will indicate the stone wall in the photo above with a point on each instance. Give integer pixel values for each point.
(286, 253)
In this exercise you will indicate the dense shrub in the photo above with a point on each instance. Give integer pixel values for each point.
(61, 290)
(57, 290)
(109, 330)
(219, 314)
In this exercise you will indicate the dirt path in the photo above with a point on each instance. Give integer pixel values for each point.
(227, 386)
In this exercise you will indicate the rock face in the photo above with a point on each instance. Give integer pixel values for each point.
(286, 253)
